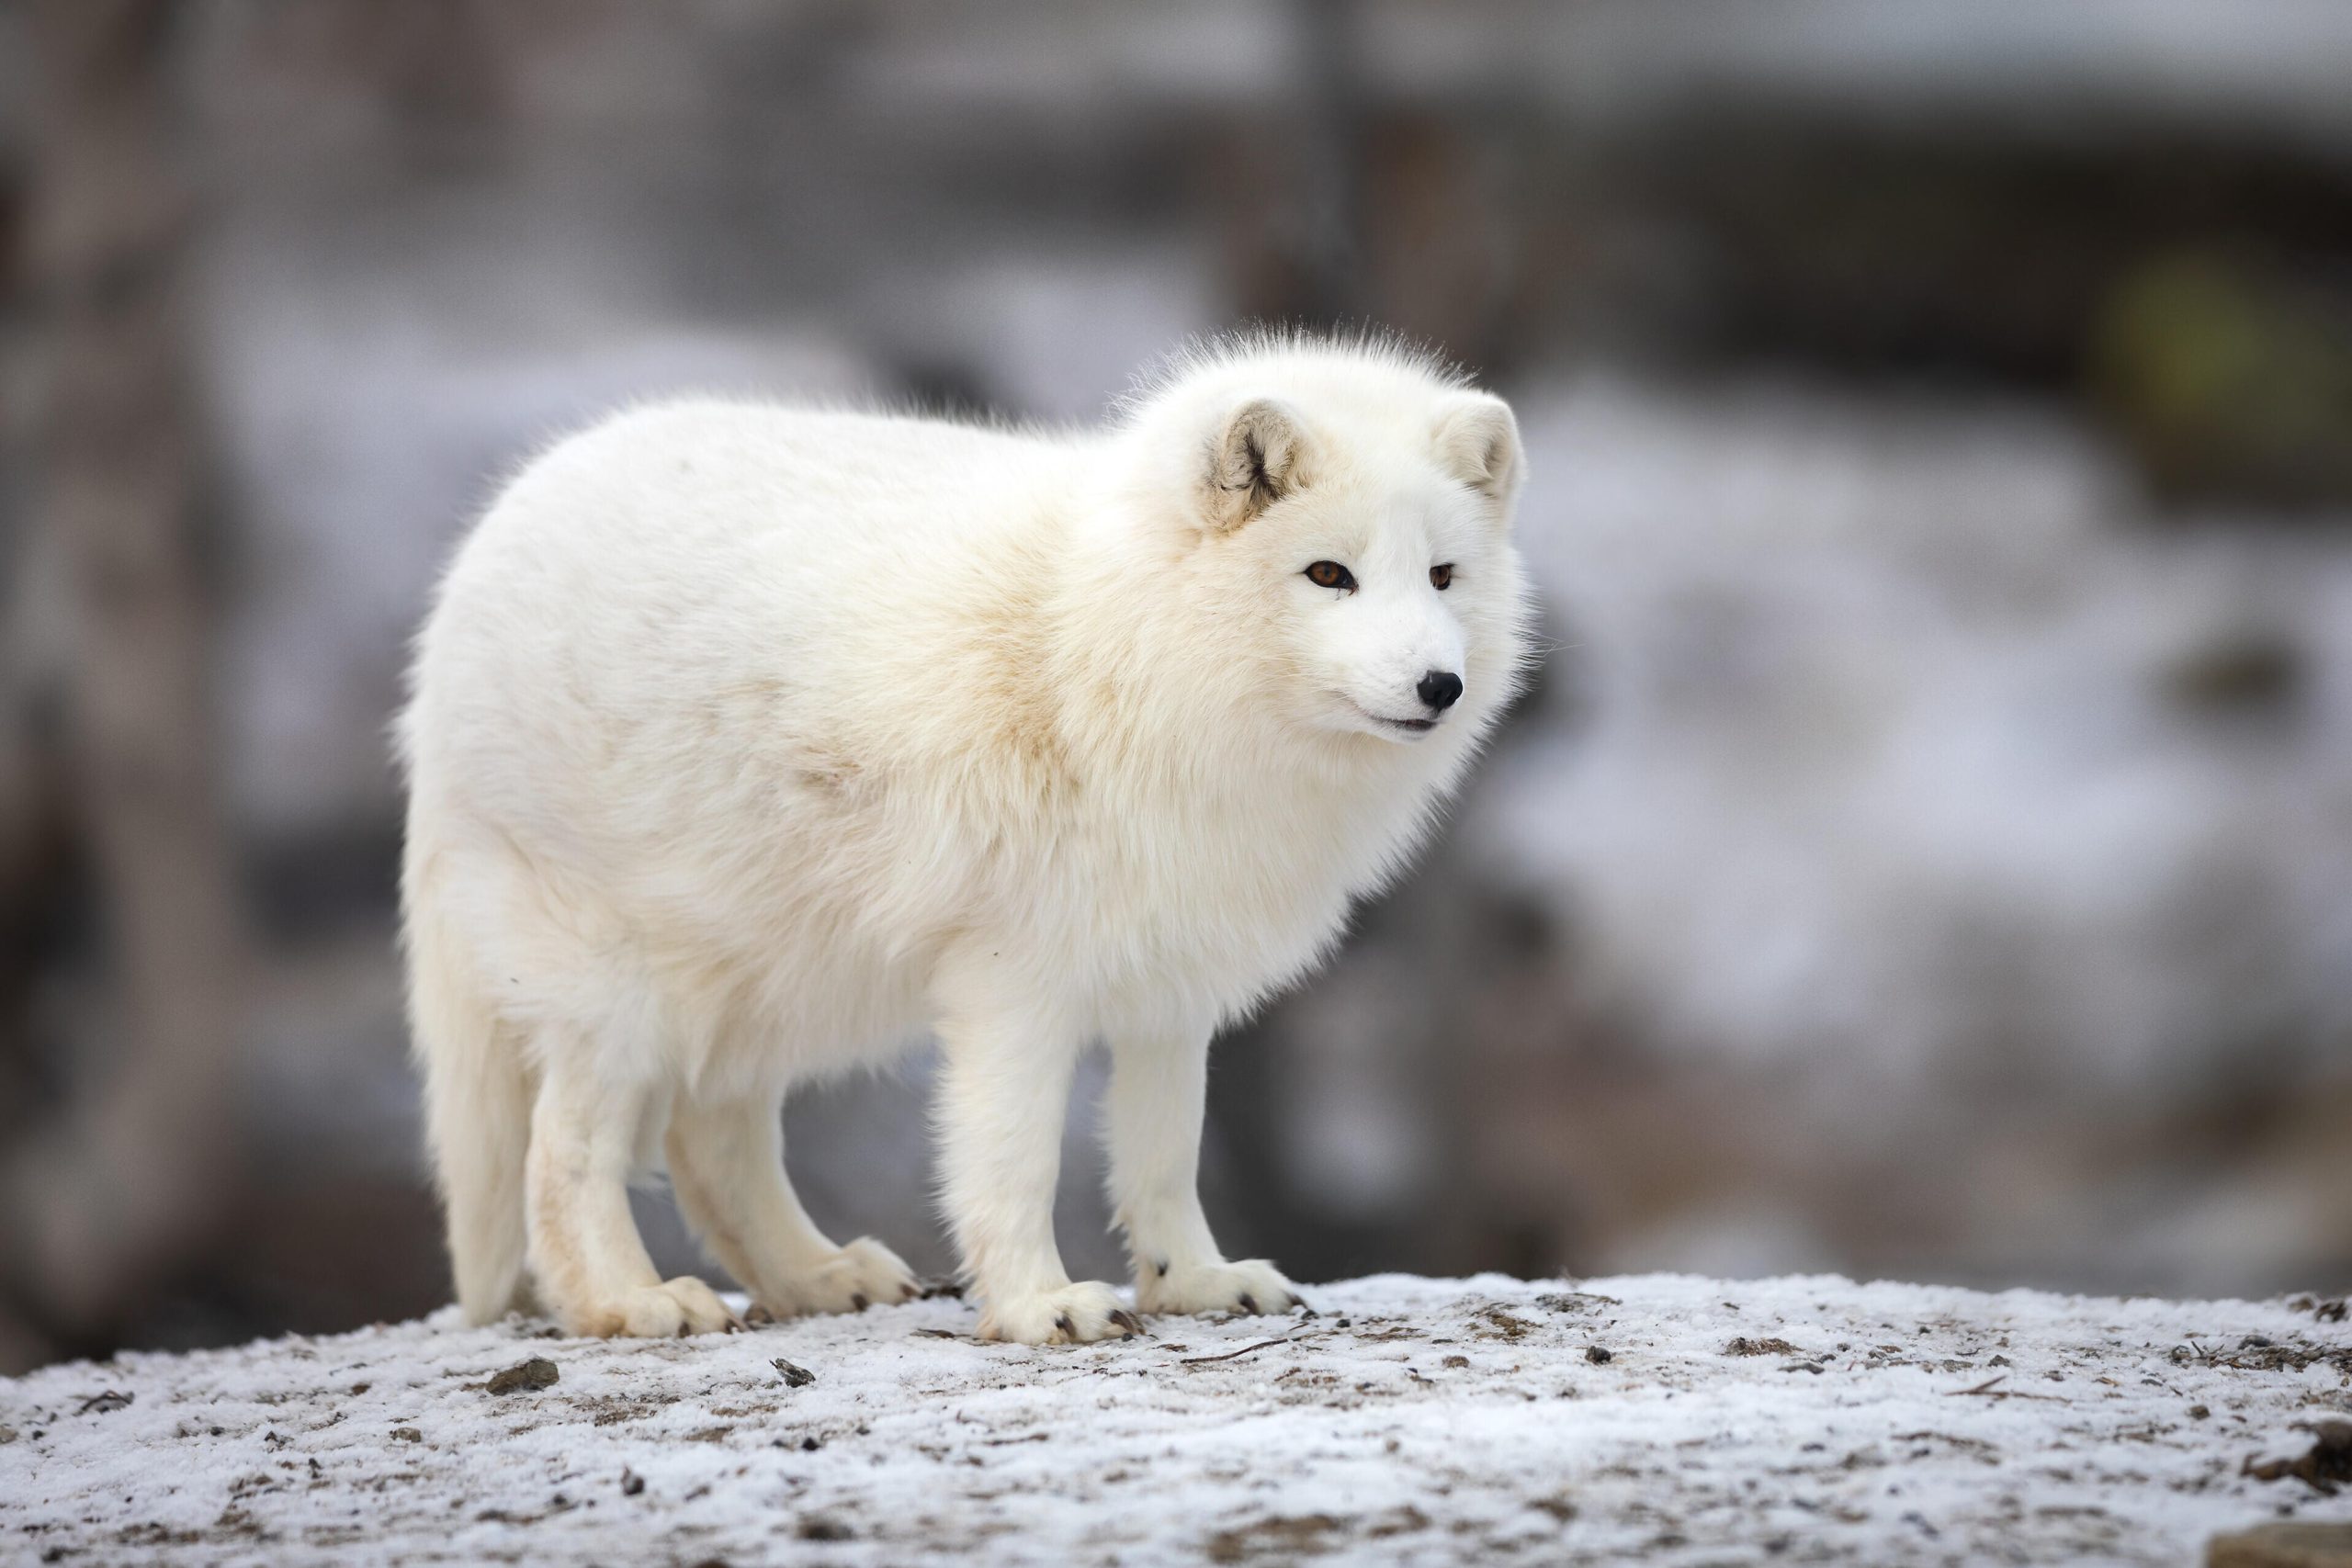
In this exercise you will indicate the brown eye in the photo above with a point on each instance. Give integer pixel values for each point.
(1332, 574)
(1442, 576)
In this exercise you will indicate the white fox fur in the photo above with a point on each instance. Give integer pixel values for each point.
(748, 741)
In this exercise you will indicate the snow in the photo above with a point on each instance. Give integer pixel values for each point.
(1412, 1421)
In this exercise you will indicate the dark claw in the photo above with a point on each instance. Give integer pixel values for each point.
(907, 1292)
(857, 1301)
(1250, 1305)
(1065, 1325)
(758, 1318)
(1300, 1302)
(1128, 1321)
(1163, 1268)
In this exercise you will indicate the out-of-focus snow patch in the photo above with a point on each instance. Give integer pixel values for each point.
(1657, 1419)
(364, 433)
(1889, 742)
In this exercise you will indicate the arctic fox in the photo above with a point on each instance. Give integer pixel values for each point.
(748, 741)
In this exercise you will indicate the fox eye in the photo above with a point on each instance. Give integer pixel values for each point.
(1332, 574)
(1442, 577)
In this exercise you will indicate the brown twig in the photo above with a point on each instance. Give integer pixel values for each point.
(1989, 1391)
(1230, 1355)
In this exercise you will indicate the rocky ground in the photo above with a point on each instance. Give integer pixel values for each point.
(1651, 1419)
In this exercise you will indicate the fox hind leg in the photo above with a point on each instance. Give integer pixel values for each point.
(590, 1264)
(727, 1169)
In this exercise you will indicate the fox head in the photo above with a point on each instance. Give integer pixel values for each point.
(1345, 538)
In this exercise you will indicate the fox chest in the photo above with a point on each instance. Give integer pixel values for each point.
(1210, 923)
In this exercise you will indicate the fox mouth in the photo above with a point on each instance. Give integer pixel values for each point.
(1403, 725)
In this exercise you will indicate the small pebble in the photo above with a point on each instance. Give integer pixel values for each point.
(536, 1372)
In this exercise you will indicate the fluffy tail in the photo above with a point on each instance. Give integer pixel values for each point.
(477, 1111)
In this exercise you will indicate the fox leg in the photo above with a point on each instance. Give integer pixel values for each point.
(589, 1262)
(727, 1169)
(1152, 1124)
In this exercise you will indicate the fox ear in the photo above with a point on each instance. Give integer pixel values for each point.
(1477, 442)
(1259, 456)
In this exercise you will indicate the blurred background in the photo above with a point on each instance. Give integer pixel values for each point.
(1927, 854)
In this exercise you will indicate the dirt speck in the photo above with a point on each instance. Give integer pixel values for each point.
(611, 1409)
(1403, 1520)
(819, 1527)
(1743, 1345)
(1498, 1324)
(2327, 1466)
(2260, 1353)
(1279, 1537)
(1575, 1300)
(536, 1372)
(1599, 1356)
(794, 1376)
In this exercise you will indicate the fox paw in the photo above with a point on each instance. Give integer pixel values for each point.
(863, 1274)
(1250, 1286)
(683, 1305)
(1074, 1314)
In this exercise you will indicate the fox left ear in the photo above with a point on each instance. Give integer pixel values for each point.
(1259, 456)
(1477, 442)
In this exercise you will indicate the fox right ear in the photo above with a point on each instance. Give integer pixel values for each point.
(1259, 458)
(1477, 443)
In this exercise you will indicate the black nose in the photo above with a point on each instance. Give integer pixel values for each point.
(1440, 689)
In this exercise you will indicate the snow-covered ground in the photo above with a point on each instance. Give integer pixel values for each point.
(1657, 1419)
